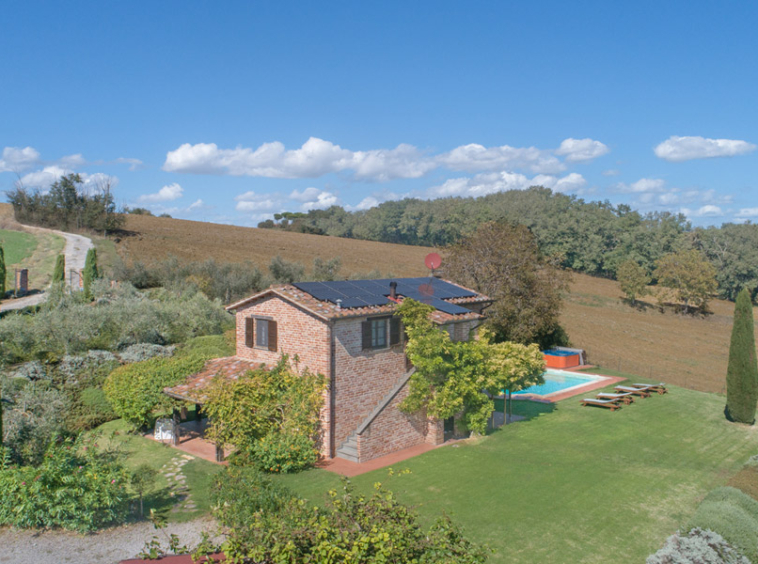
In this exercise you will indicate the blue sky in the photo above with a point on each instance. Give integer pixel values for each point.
(230, 112)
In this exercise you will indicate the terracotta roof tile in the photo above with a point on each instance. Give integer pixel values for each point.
(328, 310)
(193, 388)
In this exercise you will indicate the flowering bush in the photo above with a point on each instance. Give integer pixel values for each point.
(76, 487)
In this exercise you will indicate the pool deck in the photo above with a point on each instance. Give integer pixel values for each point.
(575, 390)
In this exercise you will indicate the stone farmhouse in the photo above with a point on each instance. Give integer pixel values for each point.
(346, 331)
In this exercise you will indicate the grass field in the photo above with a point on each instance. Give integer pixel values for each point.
(34, 251)
(690, 351)
(572, 484)
(140, 450)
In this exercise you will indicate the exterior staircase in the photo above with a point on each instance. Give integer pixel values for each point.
(348, 450)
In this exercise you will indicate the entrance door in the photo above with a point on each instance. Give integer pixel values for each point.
(449, 428)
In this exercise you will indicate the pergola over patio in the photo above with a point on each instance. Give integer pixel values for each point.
(193, 389)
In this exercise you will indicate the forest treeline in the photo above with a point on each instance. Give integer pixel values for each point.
(588, 236)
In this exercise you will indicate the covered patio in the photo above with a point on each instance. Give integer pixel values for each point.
(189, 436)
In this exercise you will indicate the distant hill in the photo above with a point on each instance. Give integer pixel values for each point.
(683, 350)
(154, 239)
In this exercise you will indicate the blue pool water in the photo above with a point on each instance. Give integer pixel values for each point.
(553, 352)
(558, 380)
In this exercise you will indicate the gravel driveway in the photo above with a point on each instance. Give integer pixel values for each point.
(76, 254)
(106, 547)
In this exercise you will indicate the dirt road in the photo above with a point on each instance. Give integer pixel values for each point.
(75, 252)
(105, 547)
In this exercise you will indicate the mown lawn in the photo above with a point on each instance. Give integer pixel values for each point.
(140, 450)
(17, 245)
(573, 484)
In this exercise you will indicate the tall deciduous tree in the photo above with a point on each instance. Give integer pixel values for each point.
(689, 276)
(90, 272)
(633, 279)
(451, 377)
(504, 262)
(2, 272)
(59, 272)
(742, 372)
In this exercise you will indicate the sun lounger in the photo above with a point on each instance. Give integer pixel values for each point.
(610, 404)
(660, 388)
(635, 391)
(626, 398)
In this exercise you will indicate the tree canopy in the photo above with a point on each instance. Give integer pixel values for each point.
(689, 276)
(451, 377)
(503, 261)
(67, 205)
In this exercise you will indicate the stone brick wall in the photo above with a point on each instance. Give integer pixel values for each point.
(362, 379)
(299, 333)
(392, 430)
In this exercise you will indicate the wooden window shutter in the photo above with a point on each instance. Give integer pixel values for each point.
(395, 331)
(272, 336)
(366, 333)
(249, 332)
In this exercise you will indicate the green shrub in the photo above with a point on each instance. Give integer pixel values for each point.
(135, 391)
(76, 487)
(733, 515)
(284, 453)
(59, 272)
(697, 547)
(742, 371)
(259, 492)
(280, 405)
(120, 317)
(36, 414)
(266, 523)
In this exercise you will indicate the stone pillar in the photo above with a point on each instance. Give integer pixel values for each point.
(175, 427)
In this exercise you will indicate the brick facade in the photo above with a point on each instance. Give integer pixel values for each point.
(299, 333)
(359, 380)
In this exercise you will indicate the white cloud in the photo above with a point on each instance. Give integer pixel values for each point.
(678, 149)
(16, 159)
(366, 203)
(747, 212)
(643, 185)
(168, 193)
(490, 183)
(43, 178)
(134, 164)
(252, 202)
(704, 211)
(581, 150)
(318, 157)
(314, 199)
(72, 161)
(474, 158)
(611, 172)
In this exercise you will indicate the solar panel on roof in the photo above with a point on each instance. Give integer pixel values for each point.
(353, 302)
(452, 309)
(362, 293)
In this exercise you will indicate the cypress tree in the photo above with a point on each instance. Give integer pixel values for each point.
(89, 274)
(742, 373)
(2, 272)
(59, 273)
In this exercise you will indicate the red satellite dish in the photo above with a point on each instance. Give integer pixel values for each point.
(432, 261)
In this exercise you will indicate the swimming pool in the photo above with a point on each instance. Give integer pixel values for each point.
(559, 381)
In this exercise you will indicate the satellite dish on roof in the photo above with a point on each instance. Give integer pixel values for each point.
(432, 261)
